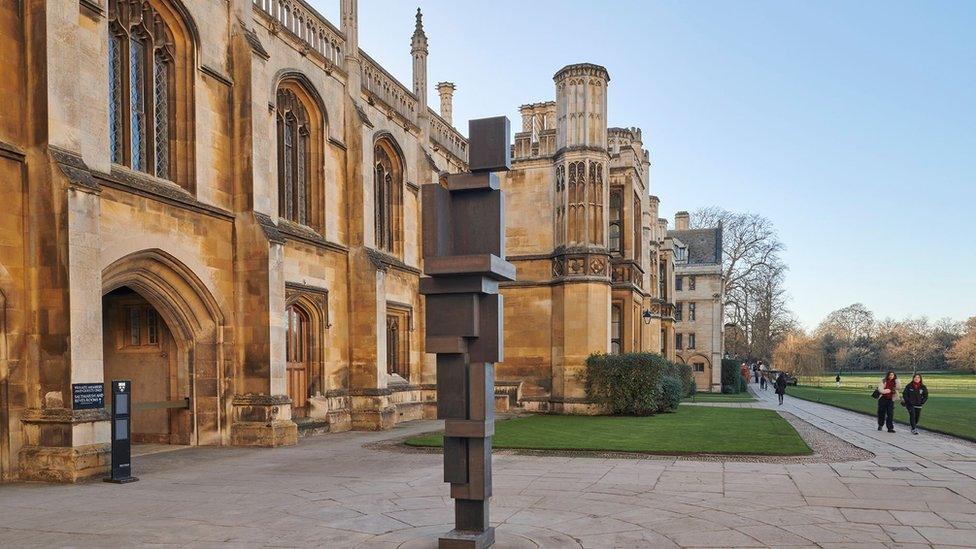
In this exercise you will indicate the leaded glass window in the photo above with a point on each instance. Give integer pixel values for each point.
(161, 119)
(616, 204)
(115, 97)
(388, 183)
(293, 154)
(140, 88)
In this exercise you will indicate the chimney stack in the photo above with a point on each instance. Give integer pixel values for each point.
(446, 91)
(682, 221)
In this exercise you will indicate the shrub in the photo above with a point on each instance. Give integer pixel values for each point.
(685, 375)
(672, 388)
(732, 381)
(625, 383)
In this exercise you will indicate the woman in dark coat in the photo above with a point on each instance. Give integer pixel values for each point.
(914, 396)
(781, 386)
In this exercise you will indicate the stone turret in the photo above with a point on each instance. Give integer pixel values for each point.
(446, 91)
(582, 173)
(581, 106)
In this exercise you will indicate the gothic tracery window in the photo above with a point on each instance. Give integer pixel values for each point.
(388, 196)
(595, 204)
(293, 157)
(616, 221)
(577, 204)
(615, 328)
(141, 57)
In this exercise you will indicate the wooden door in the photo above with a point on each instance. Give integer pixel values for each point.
(297, 351)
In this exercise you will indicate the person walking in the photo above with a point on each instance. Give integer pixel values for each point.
(781, 386)
(914, 397)
(888, 387)
(762, 380)
(837, 380)
(755, 371)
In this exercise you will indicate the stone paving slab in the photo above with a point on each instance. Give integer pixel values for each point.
(332, 491)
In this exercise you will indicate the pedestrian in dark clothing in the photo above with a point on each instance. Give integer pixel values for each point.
(888, 387)
(762, 380)
(755, 371)
(781, 386)
(914, 397)
(837, 381)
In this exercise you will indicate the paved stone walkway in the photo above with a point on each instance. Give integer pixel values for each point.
(330, 491)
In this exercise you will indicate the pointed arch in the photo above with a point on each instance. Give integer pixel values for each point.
(196, 322)
(152, 61)
(388, 181)
(300, 126)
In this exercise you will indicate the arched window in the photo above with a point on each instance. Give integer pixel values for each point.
(388, 195)
(615, 328)
(616, 203)
(297, 354)
(144, 51)
(293, 158)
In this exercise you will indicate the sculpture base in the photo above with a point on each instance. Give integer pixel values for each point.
(459, 539)
(124, 480)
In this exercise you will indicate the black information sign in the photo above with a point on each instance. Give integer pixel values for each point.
(87, 396)
(121, 441)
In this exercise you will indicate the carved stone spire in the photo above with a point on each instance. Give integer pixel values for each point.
(419, 40)
(418, 49)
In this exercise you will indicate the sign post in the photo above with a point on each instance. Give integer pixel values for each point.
(464, 258)
(121, 428)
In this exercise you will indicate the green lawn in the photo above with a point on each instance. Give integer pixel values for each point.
(936, 381)
(690, 430)
(949, 413)
(719, 397)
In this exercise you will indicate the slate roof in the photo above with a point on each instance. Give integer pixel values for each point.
(704, 245)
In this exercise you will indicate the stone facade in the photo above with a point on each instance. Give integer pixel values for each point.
(594, 264)
(699, 294)
(218, 200)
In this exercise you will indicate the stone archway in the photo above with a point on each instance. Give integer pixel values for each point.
(195, 322)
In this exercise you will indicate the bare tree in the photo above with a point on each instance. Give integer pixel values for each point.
(754, 274)
(849, 324)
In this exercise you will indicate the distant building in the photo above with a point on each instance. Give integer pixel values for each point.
(698, 298)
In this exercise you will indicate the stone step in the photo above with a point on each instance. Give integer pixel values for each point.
(310, 427)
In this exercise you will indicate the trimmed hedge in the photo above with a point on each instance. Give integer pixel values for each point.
(637, 384)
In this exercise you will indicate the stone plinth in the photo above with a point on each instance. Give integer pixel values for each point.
(62, 445)
(263, 420)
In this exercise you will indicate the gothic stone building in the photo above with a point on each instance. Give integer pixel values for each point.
(698, 297)
(219, 201)
(584, 234)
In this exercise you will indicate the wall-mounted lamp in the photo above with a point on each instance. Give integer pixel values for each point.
(646, 315)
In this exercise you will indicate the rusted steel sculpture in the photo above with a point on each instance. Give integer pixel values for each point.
(464, 258)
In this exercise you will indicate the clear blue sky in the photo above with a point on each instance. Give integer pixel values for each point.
(852, 125)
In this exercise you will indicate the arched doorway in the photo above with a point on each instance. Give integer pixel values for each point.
(298, 353)
(139, 346)
(161, 329)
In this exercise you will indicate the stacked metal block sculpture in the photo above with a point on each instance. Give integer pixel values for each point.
(464, 258)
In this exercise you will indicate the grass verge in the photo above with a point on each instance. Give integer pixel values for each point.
(720, 397)
(690, 430)
(950, 414)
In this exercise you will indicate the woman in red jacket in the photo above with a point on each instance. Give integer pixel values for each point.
(889, 387)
